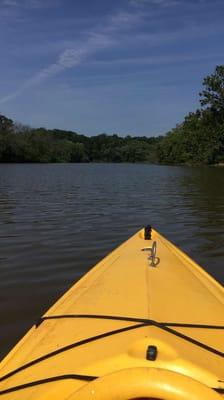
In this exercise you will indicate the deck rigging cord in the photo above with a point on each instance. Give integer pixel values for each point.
(128, 319)
(85, 378)
(141, 323)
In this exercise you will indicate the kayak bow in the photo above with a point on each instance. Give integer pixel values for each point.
(147, 321)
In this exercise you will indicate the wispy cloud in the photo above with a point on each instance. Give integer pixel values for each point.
(116, 30)
(77, 54)
(26, 3)
(122, 20)
(168, 3)
(158, 60)
(171, 3)
(9, 3)
(161, 3)
(69, 58)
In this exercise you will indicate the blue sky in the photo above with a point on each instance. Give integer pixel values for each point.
(127, 67)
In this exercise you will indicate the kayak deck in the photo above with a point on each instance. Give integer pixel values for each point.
(120, 314)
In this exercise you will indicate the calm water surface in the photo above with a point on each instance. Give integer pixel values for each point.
(57, 221)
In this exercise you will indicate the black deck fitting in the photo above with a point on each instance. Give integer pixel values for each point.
(148, 232)
(151, 353)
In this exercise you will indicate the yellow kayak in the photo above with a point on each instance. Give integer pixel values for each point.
(145, 322)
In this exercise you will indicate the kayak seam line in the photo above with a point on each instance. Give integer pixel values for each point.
(48, 380)
(201, 274)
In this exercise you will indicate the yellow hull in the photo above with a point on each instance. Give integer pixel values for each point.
(139, 324)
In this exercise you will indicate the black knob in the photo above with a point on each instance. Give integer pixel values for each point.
(151, 353)
(148, 233)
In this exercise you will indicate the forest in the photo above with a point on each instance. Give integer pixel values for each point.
(199, 139)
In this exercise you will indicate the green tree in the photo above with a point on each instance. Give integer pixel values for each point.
(78, 152)
(6, 124)
(212, 95)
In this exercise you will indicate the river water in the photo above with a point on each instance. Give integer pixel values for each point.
(58, 220)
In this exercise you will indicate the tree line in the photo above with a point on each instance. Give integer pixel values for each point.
(199, 139)
(23, 144)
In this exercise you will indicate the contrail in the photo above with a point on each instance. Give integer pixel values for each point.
(75, 56)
